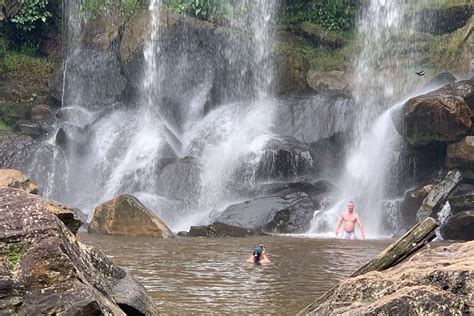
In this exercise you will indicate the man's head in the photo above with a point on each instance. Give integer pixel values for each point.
(350, 206)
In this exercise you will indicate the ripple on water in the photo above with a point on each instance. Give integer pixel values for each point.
(202, 275)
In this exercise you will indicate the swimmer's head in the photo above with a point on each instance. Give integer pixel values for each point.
(350, 206)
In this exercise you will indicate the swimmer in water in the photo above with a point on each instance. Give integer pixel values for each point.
(348, 220)
(259, 255)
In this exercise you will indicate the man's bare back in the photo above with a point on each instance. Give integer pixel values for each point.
(348, 220)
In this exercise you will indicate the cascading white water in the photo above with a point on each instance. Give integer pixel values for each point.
(141, 148)
(378, 84)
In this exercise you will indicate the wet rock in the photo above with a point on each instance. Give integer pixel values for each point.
(461, 155)
(330, 153)
(435, 200)
(127, 216)
(97, 72)
(292, 66)
(41, 112)
(462, 198)
(180, 179)
(442, 115)
(30, 128)
(47, 270)
(411, 203)
(218, 229)
(440, 80)
(459, 227)
(285, 158)
(61, 137)
(334, 81)
(16, 150)
(69, 216)
(433, 281)
(290, 213)
(442, 19)
(313, 118)
(12, 178)
(102, 29)
(319, 36)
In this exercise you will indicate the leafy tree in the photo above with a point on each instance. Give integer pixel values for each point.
(31, 12)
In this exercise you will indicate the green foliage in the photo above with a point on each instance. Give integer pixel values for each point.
(128, 6)
(332, 15)
(213, 10)
(30, 14)
(24, 63)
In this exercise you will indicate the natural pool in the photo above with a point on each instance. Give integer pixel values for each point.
(206, 275)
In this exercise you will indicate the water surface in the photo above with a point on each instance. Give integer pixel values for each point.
(204, 275)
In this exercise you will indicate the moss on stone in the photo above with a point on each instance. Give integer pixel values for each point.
(13, 256)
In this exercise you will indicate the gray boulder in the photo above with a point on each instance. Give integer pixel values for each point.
(218, 229)
(462, 198)
(47, 270)
(440, 80)
(291, 213)
(438, 196)
(460, 155)
(16, 151)
(459, 227)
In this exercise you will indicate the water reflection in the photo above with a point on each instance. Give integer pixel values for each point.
(197, 275)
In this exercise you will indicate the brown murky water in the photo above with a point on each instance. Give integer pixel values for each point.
(197, 275)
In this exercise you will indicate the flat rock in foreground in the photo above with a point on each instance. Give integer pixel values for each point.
(436, 281)
(45, 270)
(127, 216)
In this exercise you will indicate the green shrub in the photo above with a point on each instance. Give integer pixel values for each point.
(333, 15)
(128, 6)
(30, 14)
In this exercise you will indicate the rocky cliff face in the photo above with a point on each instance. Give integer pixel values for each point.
(44, 269)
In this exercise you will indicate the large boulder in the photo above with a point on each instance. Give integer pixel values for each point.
(312, 118)
(12, 178)
(461, 155)
(218, 229)
(440, 80)
(46, 270)
(16, 151)
(285, 158)
(459, 227)
(438, 196)
(462, 198)
(287, 213)
(180, 179)
(411, 203)
(432, 282)
(334, 81)
(127, 216)
(442, 115)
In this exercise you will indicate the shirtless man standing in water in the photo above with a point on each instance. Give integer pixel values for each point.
(348, 220)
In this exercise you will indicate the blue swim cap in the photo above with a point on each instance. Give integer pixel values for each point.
(257, 252)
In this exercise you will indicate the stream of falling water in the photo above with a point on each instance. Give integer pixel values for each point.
(380, 82)
(182, 165)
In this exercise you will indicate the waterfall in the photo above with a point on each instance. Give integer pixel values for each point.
(382, 69)
(184, 143)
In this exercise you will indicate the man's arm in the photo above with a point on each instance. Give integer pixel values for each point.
(359, 222)
(339, 223)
